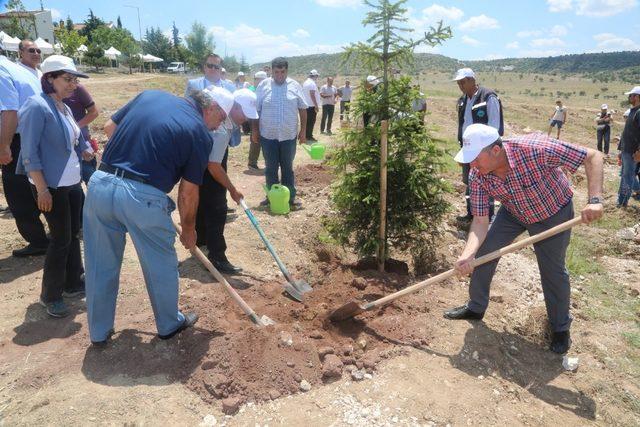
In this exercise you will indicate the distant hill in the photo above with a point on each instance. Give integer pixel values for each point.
(624, 65)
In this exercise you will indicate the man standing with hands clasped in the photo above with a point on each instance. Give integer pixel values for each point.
(526, 174)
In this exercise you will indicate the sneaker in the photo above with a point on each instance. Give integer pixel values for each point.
(55, 308)
(190, 319)
(73, 293)
(29, 250)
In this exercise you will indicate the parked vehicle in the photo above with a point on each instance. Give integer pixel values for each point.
(176, 67)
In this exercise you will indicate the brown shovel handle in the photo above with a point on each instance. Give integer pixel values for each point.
(196, 252)
(478, 261)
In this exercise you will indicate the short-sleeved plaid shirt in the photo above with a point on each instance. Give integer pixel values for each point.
(535, 188)
(278, 106)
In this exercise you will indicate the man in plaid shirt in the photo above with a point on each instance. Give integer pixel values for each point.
(525, 174)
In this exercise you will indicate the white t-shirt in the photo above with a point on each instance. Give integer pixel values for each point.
(307, 87)
(346, 93)
(328, 95)
(559, 114)
(71, 173)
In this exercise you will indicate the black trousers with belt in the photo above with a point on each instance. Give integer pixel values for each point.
(212, 215)
(311, 121)
(23, 207)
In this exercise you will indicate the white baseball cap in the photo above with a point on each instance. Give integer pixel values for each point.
(634, 91)
(221, 96)
(476, 137)
(247, 100)
(463, 73)
(604, 107)
(372, 80)
(240, 74)
(60, 63)
(314, 73)
(260, 75)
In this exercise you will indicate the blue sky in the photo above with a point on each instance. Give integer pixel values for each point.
(482, 29)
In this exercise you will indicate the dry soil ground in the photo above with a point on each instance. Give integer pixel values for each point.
(403, 365)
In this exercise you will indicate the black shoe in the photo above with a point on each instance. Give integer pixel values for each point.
(190, 319)
(105, 341)
(464, 218)
(73, 293)
(560, 342)
(254, 168)
(461, 313)
(329, 132)
(225, 266)
(265, 202)
(295, 206)
(56, 308)
(29, 250)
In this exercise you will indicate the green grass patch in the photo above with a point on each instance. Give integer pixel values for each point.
(450, 147)
(581, 258)
(633, 337)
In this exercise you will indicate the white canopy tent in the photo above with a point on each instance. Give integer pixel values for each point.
(9, 43)
(150, 58)
(82, 49)
(45, 47)
(112, 53)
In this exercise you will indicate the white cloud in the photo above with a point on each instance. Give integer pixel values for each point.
(56, 15)
(611, 42)
(513, 45)
(260, 46)
(527, 34)
(559, 5)
(550, 42)
(427, 49)
(339, 3)
(558, 31)
(480, 22)
(300, 33)
(421, 21)
(470, 41)
(597, 8)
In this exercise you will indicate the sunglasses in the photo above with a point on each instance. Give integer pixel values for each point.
(34, 50)
(216, 66)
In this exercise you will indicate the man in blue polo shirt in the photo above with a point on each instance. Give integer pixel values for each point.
(156, 140)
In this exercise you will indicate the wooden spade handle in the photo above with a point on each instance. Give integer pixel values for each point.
(196, 252)
(478, 261)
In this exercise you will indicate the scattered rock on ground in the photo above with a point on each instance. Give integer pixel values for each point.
(231, 405)
(332, 366)
(305, 386)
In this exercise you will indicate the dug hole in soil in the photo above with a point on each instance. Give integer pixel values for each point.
(227, 358)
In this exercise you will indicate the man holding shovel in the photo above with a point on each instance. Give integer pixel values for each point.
(525, 174)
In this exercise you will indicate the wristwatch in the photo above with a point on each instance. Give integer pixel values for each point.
(595, 200)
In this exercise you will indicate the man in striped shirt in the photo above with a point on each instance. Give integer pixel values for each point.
(525, 174)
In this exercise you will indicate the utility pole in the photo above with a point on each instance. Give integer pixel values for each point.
(139, 26)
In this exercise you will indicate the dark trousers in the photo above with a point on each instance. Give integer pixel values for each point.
(327, 117)
(24, 209)
(344, 109)
(311, 121)
(212, 215)
(604, 134)
(550, 254)
(254, 154)
(63, 262)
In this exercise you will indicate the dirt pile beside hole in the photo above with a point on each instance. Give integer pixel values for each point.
(304, 348)
(314, 176)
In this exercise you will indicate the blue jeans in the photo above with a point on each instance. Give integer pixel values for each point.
(279, 154)
(627, 178)
(87, 169)
(113, 207)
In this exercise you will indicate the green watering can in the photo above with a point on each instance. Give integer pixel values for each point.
(278, 197)
(316, 151)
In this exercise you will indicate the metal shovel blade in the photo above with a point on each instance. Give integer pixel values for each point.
(302, 286)
(293, 292)
(347, 311)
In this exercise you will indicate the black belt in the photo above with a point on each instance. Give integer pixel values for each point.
(121, 173)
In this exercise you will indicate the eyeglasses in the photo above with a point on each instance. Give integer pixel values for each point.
(216, 66)
(68, 79)
(34, 50)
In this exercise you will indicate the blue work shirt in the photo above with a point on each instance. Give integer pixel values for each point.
(17, 85)
(202, 83)
(160, 137)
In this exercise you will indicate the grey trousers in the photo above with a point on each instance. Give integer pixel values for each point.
(254, 153)
(550, 254)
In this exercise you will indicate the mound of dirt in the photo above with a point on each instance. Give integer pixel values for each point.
(303, 349)
(314, 175)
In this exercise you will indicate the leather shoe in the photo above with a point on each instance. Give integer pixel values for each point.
(190, 319)
(29, 250)
(461, 313)
(105, 341)
(225, 266)
(560, 342)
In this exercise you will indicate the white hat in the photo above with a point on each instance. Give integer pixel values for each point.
(604, 107)
(260, 75)
(221, 96)
(60, 63)
(373, 80)
(463, 73)
(476, 137)
(634, 91)
(247, 100)
(314, 73)
(240, 74)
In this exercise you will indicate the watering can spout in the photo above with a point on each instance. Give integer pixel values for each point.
(316, 150)
(307, 148)
(266, 189)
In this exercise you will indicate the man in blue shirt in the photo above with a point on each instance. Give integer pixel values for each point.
(17, 84)
(156, 140)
